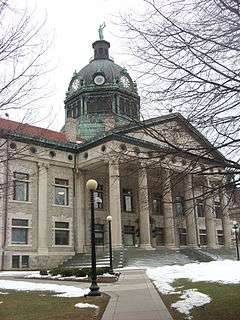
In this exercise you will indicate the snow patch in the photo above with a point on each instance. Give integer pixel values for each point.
(18, 273)
(85, 305)
(61, 290)
(4, 293)
(226, 272)
(192, 298)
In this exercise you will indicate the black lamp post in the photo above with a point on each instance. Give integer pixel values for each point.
(109, 219)
(91, 185)
(236, 231)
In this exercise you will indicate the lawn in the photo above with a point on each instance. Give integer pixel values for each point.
(44, 306)
(225, 303)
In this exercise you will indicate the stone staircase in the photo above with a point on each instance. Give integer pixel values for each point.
(81, 260)
(198, 254)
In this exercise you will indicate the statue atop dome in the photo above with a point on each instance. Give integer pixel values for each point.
(100, 30)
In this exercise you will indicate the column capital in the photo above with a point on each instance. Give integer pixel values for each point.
(43, 165)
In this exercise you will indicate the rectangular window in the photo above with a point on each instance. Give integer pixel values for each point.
(203, 237)
(220, 236)
(99, 234)
(20, 262)
(62, 233)
(25, 261)
(182, 236)
(156, 204)
(19, 231)
(98, 197)
(179, 206)
(159, 234)
(217, 209)
(61, 192)
(16, 262)
(127, 200)
(200, 208)
(20, 186)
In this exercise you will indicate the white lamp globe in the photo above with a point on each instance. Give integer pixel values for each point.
(91, 184)
(109, 218)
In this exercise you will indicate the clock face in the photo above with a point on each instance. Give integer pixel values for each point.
(75, 84)
(124, 81)
(99, 80)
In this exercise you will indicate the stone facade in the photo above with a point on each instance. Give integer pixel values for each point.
(128, 192)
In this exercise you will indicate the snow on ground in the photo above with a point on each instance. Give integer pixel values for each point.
(61, 290)
(191, 298)
(86, 305)
(226, 272)
(18, 273)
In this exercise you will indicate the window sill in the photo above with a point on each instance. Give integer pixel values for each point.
(62, 245)
(20, 201)
(19, 245)
(61, 206)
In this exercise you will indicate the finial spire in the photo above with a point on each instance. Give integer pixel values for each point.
(100, 30)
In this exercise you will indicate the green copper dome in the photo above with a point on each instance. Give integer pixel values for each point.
(101, 95)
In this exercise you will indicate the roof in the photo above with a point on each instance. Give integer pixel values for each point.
(53, 139)
(24, 128)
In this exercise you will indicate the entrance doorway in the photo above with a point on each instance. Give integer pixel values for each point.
(129, 236)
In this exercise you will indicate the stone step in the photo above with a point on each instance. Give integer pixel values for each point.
(84, 260)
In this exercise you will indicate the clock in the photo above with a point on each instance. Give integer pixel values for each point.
(125, 82)
(99, 80)
(75, 84)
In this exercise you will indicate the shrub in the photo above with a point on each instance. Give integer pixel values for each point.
(69, 272)
(79, 273)
(55, 271)
(43, 272)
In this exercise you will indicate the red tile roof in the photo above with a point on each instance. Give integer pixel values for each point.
(32, 130)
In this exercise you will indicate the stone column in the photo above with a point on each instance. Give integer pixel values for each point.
(170, 239)
(190, 212)
(144, 216)
(43, 208)
(225, 219)
(115, 204)
(209, 217)
(80, 212)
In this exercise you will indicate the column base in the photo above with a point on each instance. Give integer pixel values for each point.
(146, 247)
(117, 246)
(212, 246)
(194, 246)
(171, 247)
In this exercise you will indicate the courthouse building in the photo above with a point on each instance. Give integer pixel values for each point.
(144, 181)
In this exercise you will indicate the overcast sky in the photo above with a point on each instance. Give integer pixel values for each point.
(74, 24)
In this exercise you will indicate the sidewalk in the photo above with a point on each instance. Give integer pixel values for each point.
(134, 297)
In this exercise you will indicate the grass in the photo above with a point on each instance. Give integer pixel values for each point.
(224, 306)
(44, 306)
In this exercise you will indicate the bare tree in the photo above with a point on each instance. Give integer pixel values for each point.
(23, 60)
(187, 55)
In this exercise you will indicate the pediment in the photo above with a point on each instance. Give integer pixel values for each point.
(176, 134)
